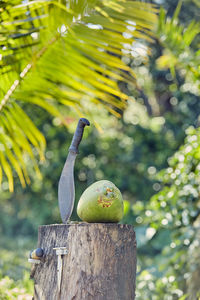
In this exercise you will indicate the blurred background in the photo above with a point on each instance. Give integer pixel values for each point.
(151, 152)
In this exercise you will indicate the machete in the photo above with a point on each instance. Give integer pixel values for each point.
(66, 190)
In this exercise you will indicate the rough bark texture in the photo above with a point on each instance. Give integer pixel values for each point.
(100, 264)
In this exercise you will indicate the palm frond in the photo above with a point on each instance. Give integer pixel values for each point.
(66, 53)
(177, 40)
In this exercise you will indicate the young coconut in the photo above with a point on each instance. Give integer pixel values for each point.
(101, 202)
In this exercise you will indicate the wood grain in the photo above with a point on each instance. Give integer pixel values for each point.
(100, 264)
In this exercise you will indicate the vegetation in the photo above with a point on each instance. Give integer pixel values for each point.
(58, 53)
(151, 153)
(9, 290)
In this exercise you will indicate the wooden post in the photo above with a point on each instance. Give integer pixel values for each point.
(100, 263)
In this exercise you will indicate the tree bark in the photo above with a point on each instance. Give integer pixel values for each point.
(100, 263)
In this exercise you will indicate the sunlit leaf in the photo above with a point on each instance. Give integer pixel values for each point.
(63, 53)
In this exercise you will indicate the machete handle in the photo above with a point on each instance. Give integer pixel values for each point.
(78, 135)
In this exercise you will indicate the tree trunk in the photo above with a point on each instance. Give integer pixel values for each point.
(100, 263)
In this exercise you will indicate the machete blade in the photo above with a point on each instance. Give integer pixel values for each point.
(66, 189)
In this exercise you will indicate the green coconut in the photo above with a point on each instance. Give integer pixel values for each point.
(101, 202)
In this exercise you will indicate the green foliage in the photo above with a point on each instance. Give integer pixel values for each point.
(61, 53)
(168, 255)
(177, 40)
(174, 211)
(181, 185)
(10, 290)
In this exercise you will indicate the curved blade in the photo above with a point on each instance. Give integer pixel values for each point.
(66, 191)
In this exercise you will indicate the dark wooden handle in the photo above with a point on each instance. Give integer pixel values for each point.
(78, 135)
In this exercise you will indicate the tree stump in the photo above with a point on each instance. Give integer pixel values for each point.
(100, 263)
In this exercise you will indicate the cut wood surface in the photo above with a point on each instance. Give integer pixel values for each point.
(100, 263)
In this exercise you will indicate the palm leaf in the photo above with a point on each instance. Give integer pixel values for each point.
(62, 53)
(176, 40)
